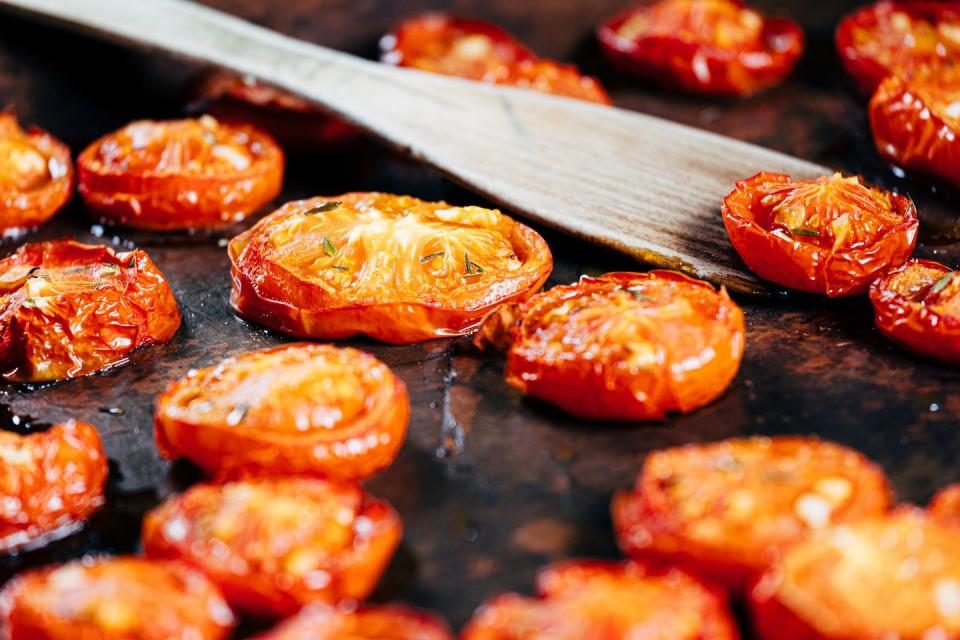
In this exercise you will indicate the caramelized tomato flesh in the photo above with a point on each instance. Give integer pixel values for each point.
(180, 174)
(891, 577)
(478, 50)
(725, 510)
(832, 235)
(918, 306)
(704, 46)
(69, 309)
(107, 599)
(50, 483)
(899, 39)
(607, 601)
(391, 622)
(302, 408)
(392, 267)
(36, 175)
(945, 506)
(629, 346)
(275, 544)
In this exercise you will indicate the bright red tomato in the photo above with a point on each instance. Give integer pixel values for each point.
(391, 622)
(607, 601)
(50, 483)
(276, 544)
(898, 38)
(945, 506)
(478, 50)
(628, 346)
(36, 175)
(113, 599)
(394, 268)
(725, 510)
(832, 235)
(180, 174)
(895, 577)
(717, 47)
(69, 309)
(302, 408)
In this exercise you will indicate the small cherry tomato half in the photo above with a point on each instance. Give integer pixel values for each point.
(478, 50)
(898, 38)
(945, 506)
(294, 123)
(180, 174)
(69, 309)
(917, 306)
(725, 510)
(51, 482)
(113, 599)
(394, 268)
(390, 622)
(832, 235)
(892, 577)
(275, 544)
(916, 123)
(627, 346)
(302, 408)
(607, 601)
(714, 47)
(36, 175)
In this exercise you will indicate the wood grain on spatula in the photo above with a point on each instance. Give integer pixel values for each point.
(639, 184)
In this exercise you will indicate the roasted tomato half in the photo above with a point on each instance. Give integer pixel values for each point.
(392, 267)
(918, 306)
(725, 510)
(391, 622)
(69, 309)
(891, 577)
(717, 47)
(478, 50)
(276, 544)
(628, 346)
(180, 174)
(607, 601)
(898, 38)
(832, 235)
(916, 123)
(945, 506)
(304, 408)
(113, 599)
(297, 125)
(50, 483)
(36, 175)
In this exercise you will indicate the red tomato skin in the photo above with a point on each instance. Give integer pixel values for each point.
(805, 267)
(914, 325)
(704, 68)
(24, 211)
(58, 487)
(395, 622)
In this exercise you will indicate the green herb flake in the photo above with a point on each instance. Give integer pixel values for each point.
(428, 258)
(800, 231)
(326, 206)
(29, 303)
(339, 267)
(328, 247)
(638, 294)
(942, 283)
(470, 268)
(132, 263)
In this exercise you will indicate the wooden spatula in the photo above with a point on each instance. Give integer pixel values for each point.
(638, 184)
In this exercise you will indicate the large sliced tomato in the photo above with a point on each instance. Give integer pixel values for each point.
(832, 235)
(918, 306)
(304, 408)
(715, 47)
(607, 601)
(392, 267)
(180, 174)
(945, 506)
(276, 544)
(896, 577)
(727, 509)
(898, 38)
(478, 50)
(916, 123)
(50, 483)
(391, 622)
(69, 309)
(113, 599)
(630, 346)
(36, 175)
